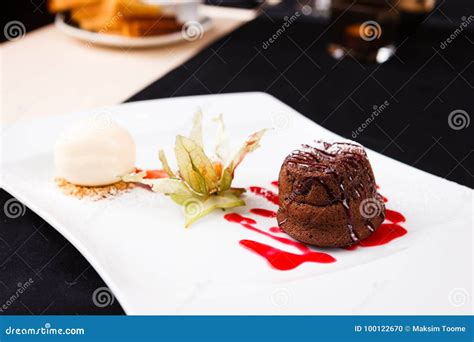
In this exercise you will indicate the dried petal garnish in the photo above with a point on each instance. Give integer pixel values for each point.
(165, 164)
(202, 184)
(250, 145)
(222, 149)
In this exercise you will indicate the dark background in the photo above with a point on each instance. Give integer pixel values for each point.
(423, 84)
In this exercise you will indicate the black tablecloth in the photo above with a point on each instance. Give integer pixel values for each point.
(423, 84)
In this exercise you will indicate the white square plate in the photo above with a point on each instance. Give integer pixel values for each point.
(137, 242)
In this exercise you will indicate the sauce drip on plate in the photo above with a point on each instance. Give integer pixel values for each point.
(284, 260)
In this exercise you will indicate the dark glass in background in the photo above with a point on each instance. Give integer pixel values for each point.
(369, 30)
(412, 14)
(363, 29)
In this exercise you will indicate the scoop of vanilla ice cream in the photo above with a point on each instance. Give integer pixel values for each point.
(94, 152)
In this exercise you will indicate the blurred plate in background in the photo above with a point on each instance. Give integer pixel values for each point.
(191, 31)
(184, 10)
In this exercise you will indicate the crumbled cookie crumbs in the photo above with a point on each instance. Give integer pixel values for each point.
(93, 192)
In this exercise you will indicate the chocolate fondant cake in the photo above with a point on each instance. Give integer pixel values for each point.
(328, 196)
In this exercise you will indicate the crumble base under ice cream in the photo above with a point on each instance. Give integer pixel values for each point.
(93, 192)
